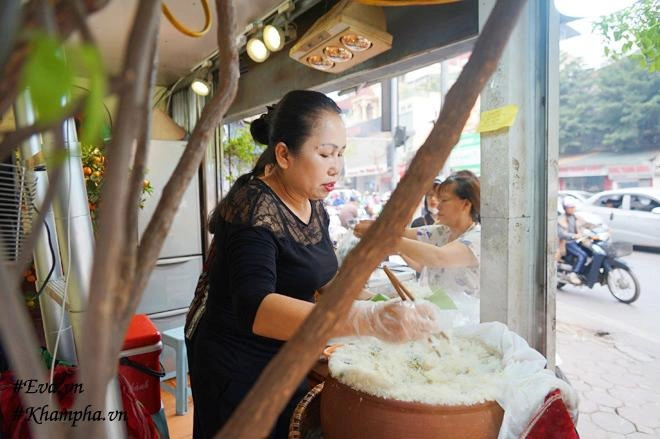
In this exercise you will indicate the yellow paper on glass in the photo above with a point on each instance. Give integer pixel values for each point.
(498, 118)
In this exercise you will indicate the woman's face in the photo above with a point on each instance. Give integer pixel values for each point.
(315, 169)
(451, 208)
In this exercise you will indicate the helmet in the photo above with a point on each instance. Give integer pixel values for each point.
(569, 202)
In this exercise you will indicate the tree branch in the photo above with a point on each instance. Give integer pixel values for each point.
(15, 325)
(12, 140)
(135, 189)
(212, 115)
(257, 413)
(20, 342)
(80, 16)
(99, 354)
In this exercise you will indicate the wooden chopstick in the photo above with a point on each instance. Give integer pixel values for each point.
(395, 283)
(407, 292)
(401, 290)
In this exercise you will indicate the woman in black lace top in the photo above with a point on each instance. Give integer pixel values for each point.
(272, 253)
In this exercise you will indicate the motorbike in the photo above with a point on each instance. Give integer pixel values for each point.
(603, 266)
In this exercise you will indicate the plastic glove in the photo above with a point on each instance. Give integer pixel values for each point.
(394, 320)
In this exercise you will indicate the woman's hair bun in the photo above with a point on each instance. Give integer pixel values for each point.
(259, 129)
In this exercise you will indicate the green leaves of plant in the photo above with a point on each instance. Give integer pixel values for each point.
(88, 59)
(49, 73)
(633, 32)
(47, 76)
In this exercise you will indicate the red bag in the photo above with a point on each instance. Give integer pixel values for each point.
(551, 421)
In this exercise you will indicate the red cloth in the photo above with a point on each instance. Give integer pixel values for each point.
(551, 421)
(13, 421)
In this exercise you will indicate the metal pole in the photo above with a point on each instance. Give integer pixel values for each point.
(74, 227)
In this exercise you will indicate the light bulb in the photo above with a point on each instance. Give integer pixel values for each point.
(273, 38)
(200, 87)
(337, 54)
(320, 62)
(356, 43)
(256, 50)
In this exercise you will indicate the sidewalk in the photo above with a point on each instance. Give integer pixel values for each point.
(618, 384)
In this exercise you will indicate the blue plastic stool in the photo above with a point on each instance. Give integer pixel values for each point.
(175, 338)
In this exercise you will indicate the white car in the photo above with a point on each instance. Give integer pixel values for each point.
(633, 214)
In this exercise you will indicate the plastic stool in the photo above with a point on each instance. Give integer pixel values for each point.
(175, 338)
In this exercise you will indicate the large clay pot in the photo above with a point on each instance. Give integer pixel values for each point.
(350, 414)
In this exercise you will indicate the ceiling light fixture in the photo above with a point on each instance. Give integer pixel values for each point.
(348, 34)
(257, 50)
(273, 38)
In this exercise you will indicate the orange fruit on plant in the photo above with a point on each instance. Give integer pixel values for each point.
(145, 184)
(97, 160)
(87, 171)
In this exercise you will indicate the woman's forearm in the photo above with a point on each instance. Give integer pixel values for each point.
(454, 254)
(411, 262)
(280, 316)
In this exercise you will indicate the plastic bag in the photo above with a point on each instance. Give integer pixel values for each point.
(527, 382)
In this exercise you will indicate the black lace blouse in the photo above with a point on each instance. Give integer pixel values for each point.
(261, 247)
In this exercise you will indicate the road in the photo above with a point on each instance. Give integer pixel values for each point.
(598, 309)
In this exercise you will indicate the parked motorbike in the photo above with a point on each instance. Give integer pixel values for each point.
(603, 266)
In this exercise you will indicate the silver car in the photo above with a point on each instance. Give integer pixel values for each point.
(633, 214)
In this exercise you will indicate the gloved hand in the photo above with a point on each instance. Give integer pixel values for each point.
(394, 320)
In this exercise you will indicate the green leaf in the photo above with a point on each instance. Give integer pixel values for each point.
(379, 298)
(87, 59)
(47, 76)
(440, 299)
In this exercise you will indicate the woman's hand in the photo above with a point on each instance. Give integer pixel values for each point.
(395, 320)
(362, 227)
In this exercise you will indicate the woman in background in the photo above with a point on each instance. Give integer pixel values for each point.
(450, 249)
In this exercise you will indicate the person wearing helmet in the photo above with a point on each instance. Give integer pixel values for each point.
(570, 230)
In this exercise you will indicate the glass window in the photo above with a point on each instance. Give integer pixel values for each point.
(645, 204)
(611, 201)
(366, 161)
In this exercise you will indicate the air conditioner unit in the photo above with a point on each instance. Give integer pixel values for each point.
(347, 35)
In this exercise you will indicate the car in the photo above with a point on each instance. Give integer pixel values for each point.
(633, 214)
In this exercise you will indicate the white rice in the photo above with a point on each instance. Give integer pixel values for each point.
(435, 371)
